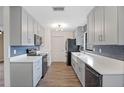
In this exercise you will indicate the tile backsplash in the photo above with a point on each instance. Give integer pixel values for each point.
(19, 50)
(113, 51)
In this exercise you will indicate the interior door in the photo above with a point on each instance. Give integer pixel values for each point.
(58, 49)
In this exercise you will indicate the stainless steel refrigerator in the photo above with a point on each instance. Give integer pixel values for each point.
(70, 46)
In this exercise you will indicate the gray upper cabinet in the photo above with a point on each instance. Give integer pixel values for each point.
(1, 18)
(24, 28)
(21, 27)
(15, 25)
(90, 30)
(30, 31)
(109, 27)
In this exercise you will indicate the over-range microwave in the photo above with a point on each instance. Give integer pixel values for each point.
(37, 40)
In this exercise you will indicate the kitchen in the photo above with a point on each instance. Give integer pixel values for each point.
(98, 60)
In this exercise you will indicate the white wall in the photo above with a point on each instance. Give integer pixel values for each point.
(6, 27)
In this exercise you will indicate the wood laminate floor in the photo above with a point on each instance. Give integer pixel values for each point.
(59, 75)
(1, 74)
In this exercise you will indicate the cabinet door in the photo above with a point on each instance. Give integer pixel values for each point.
(38, 31)
(110, 25)
(41, 31)
(15, 25)
(90, 30)
(35, 27)
(99, 25)
(30, 31)
(37, 71)
(1, 18)
(24, 28)
(121, 25)
(74, 64)
(82, 66)
(43, 35)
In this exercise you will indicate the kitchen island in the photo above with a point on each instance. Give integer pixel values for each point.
(25, 71)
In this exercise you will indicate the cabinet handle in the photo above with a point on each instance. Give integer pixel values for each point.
(100, 37)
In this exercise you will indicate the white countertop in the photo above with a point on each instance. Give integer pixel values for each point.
(103, 65)
(24, 58)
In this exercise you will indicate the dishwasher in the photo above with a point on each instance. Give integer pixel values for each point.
(44, 65)
(92, 78)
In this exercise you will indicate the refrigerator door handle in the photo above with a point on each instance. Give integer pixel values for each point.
(66, 46)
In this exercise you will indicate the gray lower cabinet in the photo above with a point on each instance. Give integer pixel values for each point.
(25, 74)
(79, 68)
(81, 72)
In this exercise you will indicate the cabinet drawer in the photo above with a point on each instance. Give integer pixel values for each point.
(37, 71)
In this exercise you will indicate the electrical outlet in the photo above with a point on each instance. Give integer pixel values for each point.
(100, 50)
(14, 51)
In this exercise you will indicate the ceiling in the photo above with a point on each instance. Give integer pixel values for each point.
(72, 16)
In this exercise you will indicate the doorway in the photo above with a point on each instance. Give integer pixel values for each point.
(1, 60)
(58, 48)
